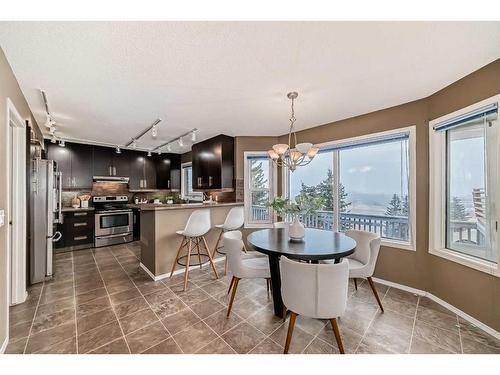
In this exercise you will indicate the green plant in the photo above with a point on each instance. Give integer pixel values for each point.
(304, 204)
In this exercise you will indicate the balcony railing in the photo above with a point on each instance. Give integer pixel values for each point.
(390, 227)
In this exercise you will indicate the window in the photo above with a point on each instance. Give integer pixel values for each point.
(260, 177)
(464, 186)
(187, 184)
(366, 183)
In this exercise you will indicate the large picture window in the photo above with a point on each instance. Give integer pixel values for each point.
(365, 183)
(464, 187)
(260, 177)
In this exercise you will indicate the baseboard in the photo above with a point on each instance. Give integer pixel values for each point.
(445, 304)
(4, 344)
(181, 270)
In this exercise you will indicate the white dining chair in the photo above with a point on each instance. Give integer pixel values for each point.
(362, 262)
(193, 235)
(234, 221)
(255, 268)
(317, 291)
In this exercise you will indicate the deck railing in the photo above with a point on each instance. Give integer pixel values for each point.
(391, 227)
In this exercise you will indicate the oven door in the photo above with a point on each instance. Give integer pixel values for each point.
(113, 222)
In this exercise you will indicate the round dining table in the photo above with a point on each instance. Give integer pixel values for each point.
(317, 245)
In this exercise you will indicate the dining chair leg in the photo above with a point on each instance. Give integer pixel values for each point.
(336, 331)
(245, 248)
(235, 286)
(210, 257)
(268, 284)
(285, 311)
(291, 326)
(198, 249)
(177, 256)
(355, 283)
(372, 285)
(186, 272)
(217, 244)
(225, 266)
(231, 285)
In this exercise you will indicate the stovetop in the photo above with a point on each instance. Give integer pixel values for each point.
(110, 203)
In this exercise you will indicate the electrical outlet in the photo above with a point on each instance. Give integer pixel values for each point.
(2, 218)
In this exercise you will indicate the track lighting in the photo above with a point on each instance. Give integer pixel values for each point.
(118, 151)
(169, 148)
(52, 129)
(154, 131)
(181, 142)
(193, 136)
(134, 144)
(53, 139)
(159, 152)
(61, 143)
(149, 153)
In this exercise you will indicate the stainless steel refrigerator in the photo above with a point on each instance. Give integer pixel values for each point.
(45, 213)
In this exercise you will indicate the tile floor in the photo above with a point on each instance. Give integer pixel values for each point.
(101, 302)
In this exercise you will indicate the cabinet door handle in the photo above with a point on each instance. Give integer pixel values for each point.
(80, 224)
(110, 172)
(114, 171)
(209, 180)
(79, 238)
(80, 214)
(168, 184)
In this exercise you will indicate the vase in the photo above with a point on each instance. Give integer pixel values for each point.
(296, 230)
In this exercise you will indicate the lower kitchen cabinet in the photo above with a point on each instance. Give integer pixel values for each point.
(77, 230)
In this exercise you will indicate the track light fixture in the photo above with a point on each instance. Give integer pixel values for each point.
(154, 131)
(169, 148)
(53, 139)
(181, 142)
(52, 129)
(193, 136)
(134, 144)
(149, 153)
(62, 143)
(118, 151)
(159, 152)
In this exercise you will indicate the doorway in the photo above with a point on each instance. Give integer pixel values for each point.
(16, 213)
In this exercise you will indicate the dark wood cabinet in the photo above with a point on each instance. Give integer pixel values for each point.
(103, 157)
(77, 230)
(149, 173)
(213, 164)
(74, 162)
(136, 165)
(81, 166)
(168, 171)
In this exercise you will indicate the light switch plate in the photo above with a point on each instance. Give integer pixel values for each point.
(2, 218)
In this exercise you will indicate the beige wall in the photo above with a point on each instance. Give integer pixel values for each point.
(9, 88)
(474, 292)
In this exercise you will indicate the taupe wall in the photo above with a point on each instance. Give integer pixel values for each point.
(473, 292)
(9, 88)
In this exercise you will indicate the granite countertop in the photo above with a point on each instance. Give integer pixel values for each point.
(179, 206)
(71, 209)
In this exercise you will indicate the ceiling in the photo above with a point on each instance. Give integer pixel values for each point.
(107, 81)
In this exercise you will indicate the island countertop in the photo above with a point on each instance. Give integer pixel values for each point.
(178, 206)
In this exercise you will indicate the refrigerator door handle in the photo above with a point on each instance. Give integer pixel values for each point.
(56, 237)
(59, 198)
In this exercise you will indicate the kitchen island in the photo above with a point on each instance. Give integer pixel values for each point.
(159, 242)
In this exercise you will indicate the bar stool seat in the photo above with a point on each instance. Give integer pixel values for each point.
(197, 226)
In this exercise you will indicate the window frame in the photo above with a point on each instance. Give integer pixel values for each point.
(438, 191)
(183, 183)
(273, 174)
(411, 130)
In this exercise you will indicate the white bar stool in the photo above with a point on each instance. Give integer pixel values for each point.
(193, 234)
(235, 219)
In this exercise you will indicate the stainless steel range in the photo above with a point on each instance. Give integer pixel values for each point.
(113, 221)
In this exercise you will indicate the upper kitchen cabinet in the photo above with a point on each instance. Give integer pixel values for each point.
(213, 164)
(74, 162)
(168, 171)
(81, 166)
(103, 161)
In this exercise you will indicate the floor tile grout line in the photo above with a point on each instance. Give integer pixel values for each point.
(74, 302)
(369, 325)
(460, 336)
(157, 317)
(413, 327)
(34, 316)
(112, 307)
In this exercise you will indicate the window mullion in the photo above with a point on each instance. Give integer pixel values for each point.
(335, 187)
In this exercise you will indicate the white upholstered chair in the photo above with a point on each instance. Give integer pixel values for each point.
(256, 268)
(235, 219)
(314, 290)
(362, 262)
(193, 235)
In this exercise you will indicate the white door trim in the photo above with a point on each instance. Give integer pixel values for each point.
(16, 210)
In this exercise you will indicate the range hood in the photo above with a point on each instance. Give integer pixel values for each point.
(119, 180)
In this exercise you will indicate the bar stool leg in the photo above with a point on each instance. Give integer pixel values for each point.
(177, 256)
(217, 243)
(210, 257)
(198, 249)
(186, 273)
